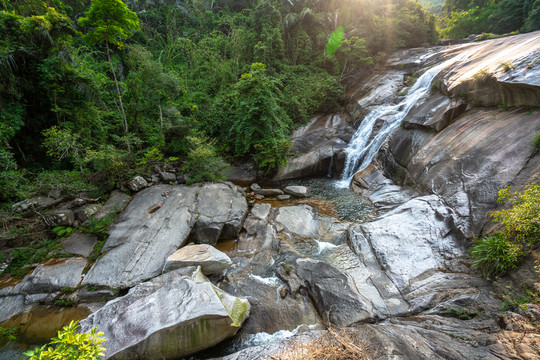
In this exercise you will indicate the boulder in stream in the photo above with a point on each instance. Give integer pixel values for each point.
(171, 316)
(210, 259)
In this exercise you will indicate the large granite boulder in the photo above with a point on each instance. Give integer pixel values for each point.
(158, 221)
(210, 259)
(334, 294)
(171, 316)
(221, 210)
(140, 241)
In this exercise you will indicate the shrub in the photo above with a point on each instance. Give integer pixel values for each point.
(203, 162)
(535, 143)
(522, 221)
(71, 345)
(72, 182)
(503, 251)
(495, 255)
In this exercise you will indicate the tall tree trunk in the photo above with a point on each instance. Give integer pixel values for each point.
(119, 94)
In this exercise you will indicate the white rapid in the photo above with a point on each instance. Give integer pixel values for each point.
(360, 153)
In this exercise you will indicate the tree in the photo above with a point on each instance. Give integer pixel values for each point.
(111, 22)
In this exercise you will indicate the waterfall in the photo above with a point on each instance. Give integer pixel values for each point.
(359, 152)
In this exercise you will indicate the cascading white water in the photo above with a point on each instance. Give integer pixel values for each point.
(359, 152)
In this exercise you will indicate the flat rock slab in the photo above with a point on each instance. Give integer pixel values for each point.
(79, 244)
(299, 220)
(296, 190)
(210, 259)
(140, 242)
(52, 276)
(268, 192)
(171, 316)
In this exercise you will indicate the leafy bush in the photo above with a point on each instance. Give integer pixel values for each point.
(535, 143)
(203, 163)
(495, 255)
(72, 182)
(8, 334)
(522, 221)
(71, 345)
(503, 251)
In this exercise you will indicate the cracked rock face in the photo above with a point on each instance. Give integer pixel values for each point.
(143, 238)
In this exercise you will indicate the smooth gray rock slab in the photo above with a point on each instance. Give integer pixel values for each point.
(299, 220)
(139, 242)
(79, 244)
(210, 259)
(413, 239)
(221, 210)
(171, 316)
(296, 190)
(283, 197)
(269, 192)
(11, 306)
(137, 183)
(50, 278)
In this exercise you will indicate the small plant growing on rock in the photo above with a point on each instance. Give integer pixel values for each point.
(482, 74)
(535, 143)
(71, 345)
(507, 66)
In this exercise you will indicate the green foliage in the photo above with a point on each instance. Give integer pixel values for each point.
(495, 255)
(255, 119)
(100, 226)
(63, 231)
(503, 251)
(535, 143)
(69, 182)
(63, 302)
(334, 41)
(22, 259)
(465, 17)
(111, 21)
(69, 344)
(203, 163)
(8, 334)
(522, 221)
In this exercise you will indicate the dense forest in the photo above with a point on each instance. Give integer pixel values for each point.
(92, 92)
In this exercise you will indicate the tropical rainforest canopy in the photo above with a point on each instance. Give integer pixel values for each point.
(92, 90)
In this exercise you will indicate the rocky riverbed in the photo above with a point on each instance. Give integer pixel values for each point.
(399, 277)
